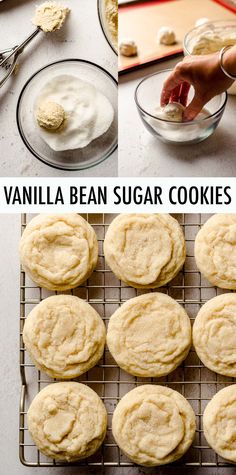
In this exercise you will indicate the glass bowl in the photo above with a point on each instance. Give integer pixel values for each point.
(104, 26)
(221, 28)
(80, 159)
(147, 98)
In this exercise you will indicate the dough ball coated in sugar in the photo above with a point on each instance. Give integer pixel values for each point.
(166, 36)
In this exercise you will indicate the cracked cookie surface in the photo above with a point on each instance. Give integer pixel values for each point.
(145, 250)
(67, 421)
(215, 250)
(59, 252)
(64, 336)
(214, 334)
(153, 425)
(149, 335)
(219, 422)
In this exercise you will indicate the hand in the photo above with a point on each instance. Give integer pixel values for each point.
(201, 72)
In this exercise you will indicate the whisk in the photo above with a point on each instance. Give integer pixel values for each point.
(14, 52)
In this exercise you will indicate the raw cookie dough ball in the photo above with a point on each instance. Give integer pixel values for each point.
(215, 250)
(214, 334)
(111, 16)
(202, 21)
(145, 250)
(153, 425)
(128, 48)
(166, 36)
(50, 115)
(59, 252)
(172, 112)
(50, 16)
(67, 421)
(64, 336)
(149, 335)
(219, 422)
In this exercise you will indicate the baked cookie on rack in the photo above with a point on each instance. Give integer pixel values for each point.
(215, 250)
(67, 421)
(149, 335)
(153, 425)
(59, 252)
(219, 422)
(64, 336)
(214, 334)
(145, 250)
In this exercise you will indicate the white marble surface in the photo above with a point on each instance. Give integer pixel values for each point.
(81, 37)
(141, 154)
(9, 372)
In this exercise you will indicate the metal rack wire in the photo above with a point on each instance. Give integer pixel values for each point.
(106, 293)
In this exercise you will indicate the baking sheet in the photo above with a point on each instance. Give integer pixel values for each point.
(141, 22)
(106, 293)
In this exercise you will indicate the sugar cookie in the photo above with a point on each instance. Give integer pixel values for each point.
(67, 421)
(219, 423)
(64, 336)
(145, 250)
(215, 250)
(149, 335)
(59, 252)
(153, 425)
(214, 334)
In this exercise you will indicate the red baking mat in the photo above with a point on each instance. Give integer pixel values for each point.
(132, 17)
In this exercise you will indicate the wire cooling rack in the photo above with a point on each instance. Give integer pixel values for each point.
(106, 293)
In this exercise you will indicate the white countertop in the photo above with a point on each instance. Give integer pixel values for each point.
(10, 379)
(82, 37)
(141, 154)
